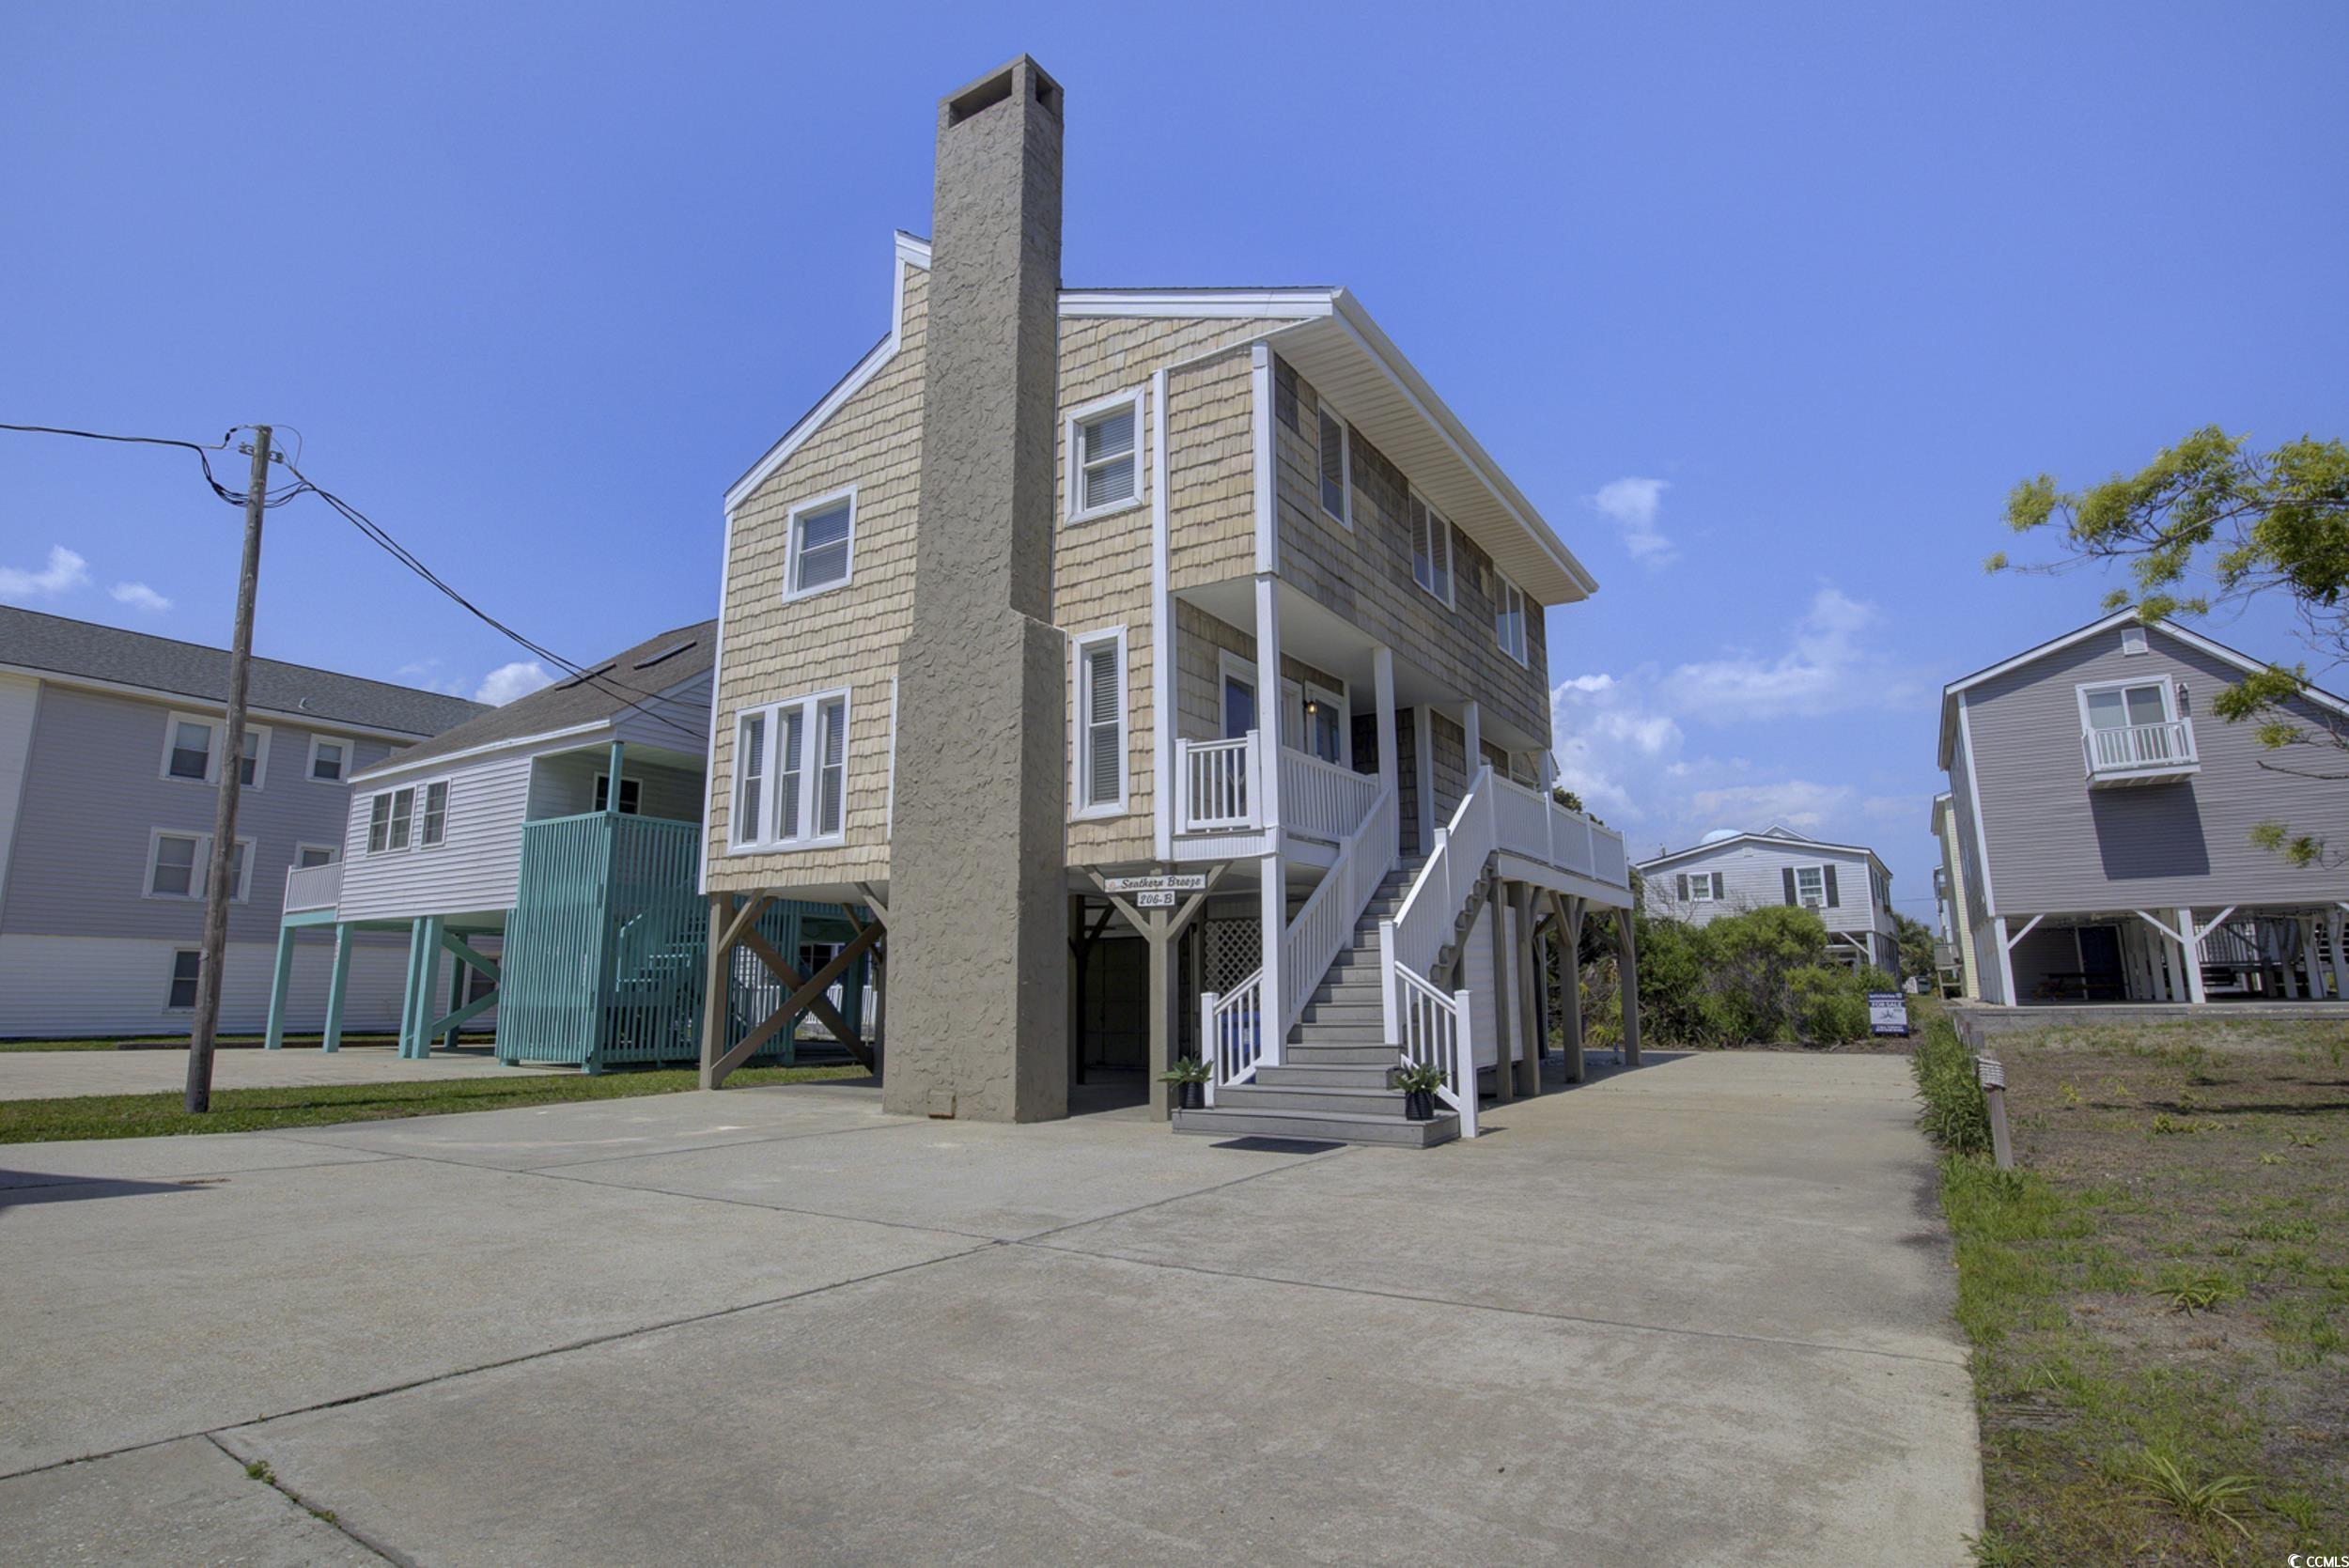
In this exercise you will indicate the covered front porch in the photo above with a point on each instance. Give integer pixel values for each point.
(2239, 954)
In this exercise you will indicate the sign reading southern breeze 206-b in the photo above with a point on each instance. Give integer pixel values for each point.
(1888, 1013)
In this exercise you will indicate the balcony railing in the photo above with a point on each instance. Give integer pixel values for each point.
(1222, 781)
(314, 887)
(2129, 752)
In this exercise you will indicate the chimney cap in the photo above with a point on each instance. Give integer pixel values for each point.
(1019, 75)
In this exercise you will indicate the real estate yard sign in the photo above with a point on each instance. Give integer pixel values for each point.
(1887, 1012)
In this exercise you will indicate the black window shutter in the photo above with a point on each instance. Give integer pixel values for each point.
(1790, 882)
(1831, 887)
(1718, 894)
(1684, 887)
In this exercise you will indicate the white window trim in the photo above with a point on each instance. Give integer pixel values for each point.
(792, 592)
(1800, 902)
(813, 702)
(1079, 728)
(1704, 880)
(366, 833)
(1439, 526)
(2169, 695)
(1502, 590)
(171, 978)
(200, 873)
(448, 802)
(310, 766)
(603, 782)
(333, 852)
(218, 726)
(1230, 666)
(1072, 463)
(1344, 516)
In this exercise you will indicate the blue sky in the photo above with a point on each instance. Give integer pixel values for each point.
(1765, 307)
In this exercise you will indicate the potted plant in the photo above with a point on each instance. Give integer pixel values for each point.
(1191, 1077)
(1419, 1081)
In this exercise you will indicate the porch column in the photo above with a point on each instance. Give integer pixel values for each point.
(1272, 911)
(1628, 970)
(280, 975)
(2190, 951)
(456, 970)
(411, 985)
(714, 984)
(1472, 720)
(1497, 905)
(2334, 924)
(1424, 760)
(337, 988)
(1569, 913)
(1382, 687)
(2006, 962)
(612, 790)
(2308, 957)
(1268, 704)
(1529, 1005)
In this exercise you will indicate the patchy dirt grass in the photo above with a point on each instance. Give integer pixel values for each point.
(2158, 1296)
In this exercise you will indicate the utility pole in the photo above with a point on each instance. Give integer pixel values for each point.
(220, 882)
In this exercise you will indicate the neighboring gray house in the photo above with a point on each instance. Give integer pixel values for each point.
(2101, 821)
(1730, 871)
(108, 762)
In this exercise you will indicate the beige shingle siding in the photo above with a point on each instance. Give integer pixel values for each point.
(1101, 570)
(1364, 574)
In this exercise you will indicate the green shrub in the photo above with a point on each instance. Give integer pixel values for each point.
(1830, 1004)
(1955, 1116)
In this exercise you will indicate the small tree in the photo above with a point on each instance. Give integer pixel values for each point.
(2253, 524)
(1914, 939)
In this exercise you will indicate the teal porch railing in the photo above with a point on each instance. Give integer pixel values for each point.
(607, 947)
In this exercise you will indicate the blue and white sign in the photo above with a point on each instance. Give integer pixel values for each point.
(1888, 1013)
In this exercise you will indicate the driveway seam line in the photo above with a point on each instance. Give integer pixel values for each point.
(1339, 1152)
(328, 1517)
(1515, 1312)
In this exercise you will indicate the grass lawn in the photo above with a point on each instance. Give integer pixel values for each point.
(2159, 1296)
(258, 1109)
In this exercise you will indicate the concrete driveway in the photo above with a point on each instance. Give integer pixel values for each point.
(36, 1075)
(1695, 1314)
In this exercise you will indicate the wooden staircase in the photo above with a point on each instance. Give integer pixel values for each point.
(1332, 1082)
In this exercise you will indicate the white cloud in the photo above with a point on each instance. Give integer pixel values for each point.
(65, 572)
(140, 595)
(1634, 504)
(509, 681)
(1830, 664)
(1798, 803)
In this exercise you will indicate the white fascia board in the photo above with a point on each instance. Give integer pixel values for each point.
(1279, 304)
(521, 742)
(1770, 839)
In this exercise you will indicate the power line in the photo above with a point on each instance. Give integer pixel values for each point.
(203, 455)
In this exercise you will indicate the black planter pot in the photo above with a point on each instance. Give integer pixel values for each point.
(1419, 1105)
(1194, 1097)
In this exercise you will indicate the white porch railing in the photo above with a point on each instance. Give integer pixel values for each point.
(1233, 1039)
(1435, 1030)
(2139, 747)
(314, 887)
(1322, 799)
(1216, 790)
(1325, 926)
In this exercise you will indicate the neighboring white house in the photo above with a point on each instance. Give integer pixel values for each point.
(2097, 825)
(1730, 871)
(110, 764)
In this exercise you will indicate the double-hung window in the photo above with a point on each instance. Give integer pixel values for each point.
(432, 824)
(1101, 724)
(1105, 457)
(823, 534)
(186, 964)
(388, 819)
(328, 759)
(792, 774)
(1700, 887)
(1509, 618)
(256, 757)
(177, 866)
(1336, 495)
(1431, 550)
(189, 753)
(1811, 886)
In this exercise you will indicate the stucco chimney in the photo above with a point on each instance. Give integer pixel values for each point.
(978, 907)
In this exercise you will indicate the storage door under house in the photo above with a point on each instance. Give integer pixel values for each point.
(1117, 1013)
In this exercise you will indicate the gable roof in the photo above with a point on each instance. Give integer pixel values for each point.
(1325, 333)
(57, 647)
(632, 677)
(1778, 836)
(2125, 616)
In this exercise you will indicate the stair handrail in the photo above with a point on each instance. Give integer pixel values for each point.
(1232, 1033)
(1324, 926)
(1423, 921)
(1435, 1029)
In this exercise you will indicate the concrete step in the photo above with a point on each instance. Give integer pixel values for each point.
(1333, 1127)
(1313, 1074)
(1285, 1096)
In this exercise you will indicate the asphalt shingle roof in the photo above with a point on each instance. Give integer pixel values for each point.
(659, 664)
(34, 641)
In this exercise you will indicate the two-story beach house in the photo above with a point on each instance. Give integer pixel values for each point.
(1163, 669)
(110, 760)
(2099, 828)
(538, 866)
(1847, 885)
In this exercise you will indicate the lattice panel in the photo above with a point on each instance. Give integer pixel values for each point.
(1234, 951)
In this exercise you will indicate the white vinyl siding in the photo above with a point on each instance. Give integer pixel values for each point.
(823, 542)
(800, 775)
(1105, 457)
(1101, 762)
